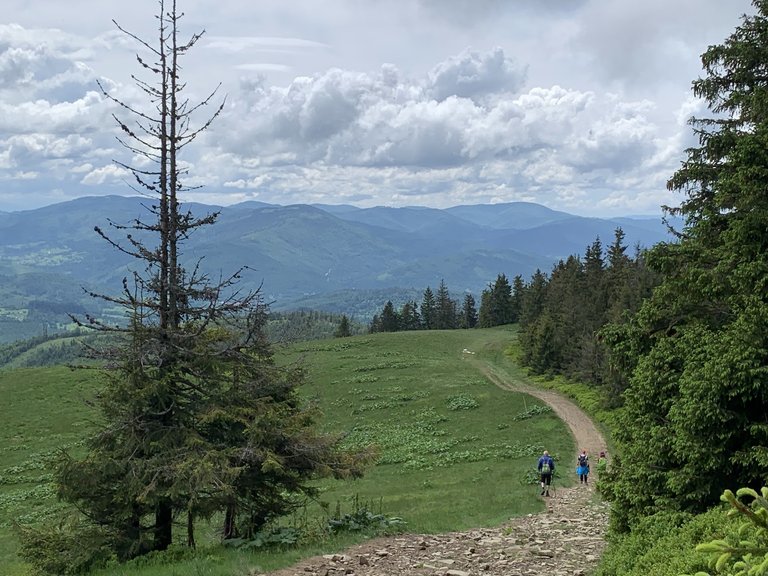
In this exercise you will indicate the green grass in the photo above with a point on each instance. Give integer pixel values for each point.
(453, 456)
(43, 410)
(444, 469)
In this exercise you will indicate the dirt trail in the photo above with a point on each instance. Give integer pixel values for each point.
(566, 540)
(586, 434)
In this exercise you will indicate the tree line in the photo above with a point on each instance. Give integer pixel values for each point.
(567, 318)
(499, 305)
(694, 421)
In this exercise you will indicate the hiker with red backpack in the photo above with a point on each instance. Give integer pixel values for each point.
(583, 467)
(546, 468)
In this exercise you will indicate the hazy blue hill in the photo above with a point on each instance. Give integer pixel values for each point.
(336, 209)
(67, 222)
(511, 215)
(249, 205)
(444, 233)
(297, 251)
(652, 223)
(358, 304)
(300, 250)
(72, 222)
(466, 271)
(572, 236)
(424, 221)
(33, 303)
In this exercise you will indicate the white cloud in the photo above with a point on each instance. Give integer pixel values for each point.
(571, 103)
(106, 174)
(87, 167)
(473, 74)
(385, 120)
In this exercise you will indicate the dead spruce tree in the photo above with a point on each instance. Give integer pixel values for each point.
(197, 418)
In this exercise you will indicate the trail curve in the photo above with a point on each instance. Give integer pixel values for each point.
(584, 431)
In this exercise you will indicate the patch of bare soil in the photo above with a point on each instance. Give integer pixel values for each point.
(566, 540)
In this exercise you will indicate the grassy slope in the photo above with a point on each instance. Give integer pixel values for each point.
(448, 469)
(43, 409)
(484, 492)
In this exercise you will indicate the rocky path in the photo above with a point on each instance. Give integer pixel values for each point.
(566, 540)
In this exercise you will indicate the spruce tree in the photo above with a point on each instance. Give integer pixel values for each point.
(694, 420)
(409, 316)
(484, 319)
(196, 418)
(532, 304)
(389, 321)
(468, 312)
(618, 279)
(496, 307)
(429, 310)
(516, 304)
(445, 309)
(594, 284)
(343, 330)
(502, 300)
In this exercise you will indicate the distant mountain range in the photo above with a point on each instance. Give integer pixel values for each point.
(304, 253)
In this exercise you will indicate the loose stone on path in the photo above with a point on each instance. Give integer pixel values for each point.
(566, 540)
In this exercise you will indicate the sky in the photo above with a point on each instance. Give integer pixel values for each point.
(579, 105)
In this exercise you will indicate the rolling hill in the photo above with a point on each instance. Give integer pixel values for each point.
(294, 252)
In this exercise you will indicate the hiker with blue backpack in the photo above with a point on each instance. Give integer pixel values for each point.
(582, 469)
(546, 468)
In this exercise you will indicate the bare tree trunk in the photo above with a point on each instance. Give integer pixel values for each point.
(163, 525)
(229, 524)
(190, 530)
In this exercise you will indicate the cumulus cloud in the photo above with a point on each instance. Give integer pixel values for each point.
(108, 173)
(473, 74)
(466, 111)
(54, 120)
(467, 129)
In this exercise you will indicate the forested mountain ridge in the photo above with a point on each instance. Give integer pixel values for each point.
(299, 251)
(359, 246)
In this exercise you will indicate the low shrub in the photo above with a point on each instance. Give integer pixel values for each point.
(745, 552)
(63, 549)
(534, 410)
(664, 544)
(362, 520)
(274, 537)
(462, 402)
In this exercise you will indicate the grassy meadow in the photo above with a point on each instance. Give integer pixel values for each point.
(454, 448)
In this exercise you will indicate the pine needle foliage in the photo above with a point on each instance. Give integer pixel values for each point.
(694, 421)
(196, 418)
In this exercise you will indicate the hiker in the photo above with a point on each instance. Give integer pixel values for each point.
(602, 463)
(583, 466)
(546, 468)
